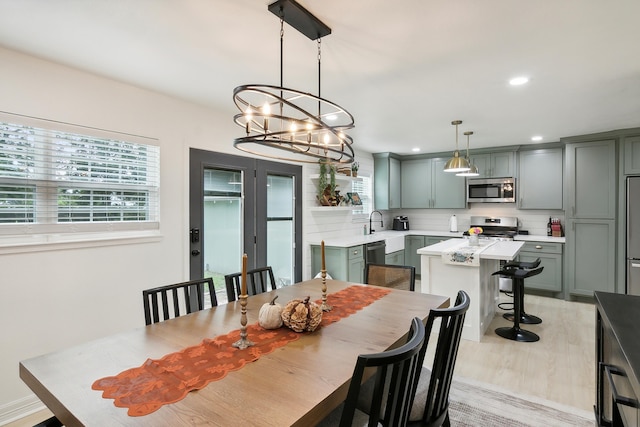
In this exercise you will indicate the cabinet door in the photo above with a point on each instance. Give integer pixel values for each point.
(503, 164)
(394, 258)
(632, 155)
(416, 190)
(591, 179)
(551, 277)
(335, 262)
(411, 246)
(447, 189)
(394, 183)
(540, 179)
(483, 163)
(590, 256)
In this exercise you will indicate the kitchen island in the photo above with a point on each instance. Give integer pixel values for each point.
(453, 265)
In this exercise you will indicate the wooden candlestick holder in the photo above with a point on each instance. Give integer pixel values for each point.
(243, 342)
(324, 306)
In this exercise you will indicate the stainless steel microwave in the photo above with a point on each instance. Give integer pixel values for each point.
(491, 190)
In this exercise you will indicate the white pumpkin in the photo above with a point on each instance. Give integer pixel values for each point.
(270, 315)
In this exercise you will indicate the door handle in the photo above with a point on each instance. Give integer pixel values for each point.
(195, 252)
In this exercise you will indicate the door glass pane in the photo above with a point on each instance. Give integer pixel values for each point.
(280, 228)
(222, 226)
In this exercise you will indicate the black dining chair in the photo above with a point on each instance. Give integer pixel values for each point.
(50, 422)
(259, 280)
(393, 383)
(166, 302)
(431, 403)
(391, 276)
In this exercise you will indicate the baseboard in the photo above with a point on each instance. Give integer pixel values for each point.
(20, 408)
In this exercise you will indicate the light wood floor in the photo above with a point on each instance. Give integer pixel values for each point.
(560, 367)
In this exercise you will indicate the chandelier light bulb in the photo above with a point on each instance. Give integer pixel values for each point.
(266, 110)
(249, 116)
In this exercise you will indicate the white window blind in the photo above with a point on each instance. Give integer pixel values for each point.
(363, 188)
(62, 178)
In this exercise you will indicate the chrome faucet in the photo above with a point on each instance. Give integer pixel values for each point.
(371, 231)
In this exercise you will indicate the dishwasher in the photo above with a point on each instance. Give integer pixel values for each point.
(375, 252)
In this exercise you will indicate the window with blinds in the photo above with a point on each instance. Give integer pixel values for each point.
(363, 188)
(56, 179)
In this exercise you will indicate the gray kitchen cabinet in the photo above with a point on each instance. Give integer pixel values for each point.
(395, 258)
(590, 261)
(590, 179)
(590, 206)
(386, 181)
(550, 255)
(426, 185)
(539, 183)
(411, 246)
(632, 155)
(499, 164)
(341, 263)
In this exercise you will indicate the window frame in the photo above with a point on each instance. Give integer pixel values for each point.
(47, 230)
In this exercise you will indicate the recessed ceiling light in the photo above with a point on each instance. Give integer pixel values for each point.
(536, 138)
(517, 81)
(415, 150)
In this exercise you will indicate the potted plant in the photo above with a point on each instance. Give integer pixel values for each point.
(354, 168)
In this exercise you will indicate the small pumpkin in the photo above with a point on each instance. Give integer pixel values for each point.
(270, 315)
(302, 315)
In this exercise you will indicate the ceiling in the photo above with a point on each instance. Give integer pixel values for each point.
(404, 69)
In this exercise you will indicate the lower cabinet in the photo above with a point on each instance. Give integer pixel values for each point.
(341, 263)
(394, 258)
(617, 382)
(590, 262)
(550, 255)
(411, 246)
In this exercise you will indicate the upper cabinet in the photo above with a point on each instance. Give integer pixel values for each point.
(632, 155)
(386, 181)
(500, 164)
(426, 185)
(540, 177)
(591, 179)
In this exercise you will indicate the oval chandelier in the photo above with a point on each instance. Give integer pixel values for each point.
(288, 124)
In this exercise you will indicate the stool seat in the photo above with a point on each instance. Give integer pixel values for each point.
(515, 333)
(522, 264)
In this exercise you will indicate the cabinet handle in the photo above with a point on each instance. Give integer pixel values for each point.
(626, 401)
(635, 265)
(355, 252)
(538, 247)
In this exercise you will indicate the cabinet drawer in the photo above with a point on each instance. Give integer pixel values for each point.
(546, 247)
(355, 252)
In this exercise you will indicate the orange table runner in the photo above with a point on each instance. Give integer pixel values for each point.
(168, 380)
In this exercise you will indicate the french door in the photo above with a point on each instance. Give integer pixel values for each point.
(243, 205)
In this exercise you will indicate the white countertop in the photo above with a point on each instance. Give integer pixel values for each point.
(361, 239)
(503, 250)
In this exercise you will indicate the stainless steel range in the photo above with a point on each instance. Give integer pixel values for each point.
(495, 228)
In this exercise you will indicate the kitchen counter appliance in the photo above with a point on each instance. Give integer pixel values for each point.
(400, 223)
(492, 190)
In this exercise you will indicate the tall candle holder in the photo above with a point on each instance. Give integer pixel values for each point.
(324, 306)
(243, 342)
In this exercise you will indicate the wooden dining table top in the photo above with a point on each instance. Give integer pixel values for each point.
(296, 385)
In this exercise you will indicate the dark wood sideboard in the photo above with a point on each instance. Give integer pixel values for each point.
(617, 359)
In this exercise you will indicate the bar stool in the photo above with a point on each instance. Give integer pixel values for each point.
(524, 317)
(515, 333)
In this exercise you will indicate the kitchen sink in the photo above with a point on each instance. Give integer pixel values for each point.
(394, 243)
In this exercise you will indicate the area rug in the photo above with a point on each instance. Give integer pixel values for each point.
(476, 404)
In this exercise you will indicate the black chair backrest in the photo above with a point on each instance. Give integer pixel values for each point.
(452, 322)
(232, 283)
(395, 380)
(174, 304)
(259, 280)
(391, 276)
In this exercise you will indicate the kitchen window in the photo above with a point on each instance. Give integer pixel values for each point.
(363, 188)
(60, 179)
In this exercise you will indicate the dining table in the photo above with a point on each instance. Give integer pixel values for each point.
(297, 384)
